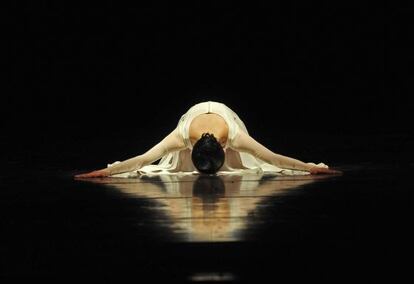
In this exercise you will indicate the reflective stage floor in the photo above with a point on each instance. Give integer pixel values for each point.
(252, 228)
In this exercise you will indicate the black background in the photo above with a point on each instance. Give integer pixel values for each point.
(91, 83)
(306, 78)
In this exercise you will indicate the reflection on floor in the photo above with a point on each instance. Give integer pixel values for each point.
(196, 228)
(202, 208)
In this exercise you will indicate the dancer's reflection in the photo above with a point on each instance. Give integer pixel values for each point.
(207, 207)
(208, 190)
(211, 214)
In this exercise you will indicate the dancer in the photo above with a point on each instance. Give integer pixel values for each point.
(210, 138)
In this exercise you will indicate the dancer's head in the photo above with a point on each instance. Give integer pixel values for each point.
(207, 154)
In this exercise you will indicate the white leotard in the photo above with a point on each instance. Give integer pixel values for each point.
(243, 153)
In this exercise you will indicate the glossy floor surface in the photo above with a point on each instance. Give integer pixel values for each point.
(355, 226)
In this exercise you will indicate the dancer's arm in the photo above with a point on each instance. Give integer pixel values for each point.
(172, 142)
(245, 143)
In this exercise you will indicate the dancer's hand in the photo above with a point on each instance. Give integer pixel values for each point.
(321, 170)
(94, 174)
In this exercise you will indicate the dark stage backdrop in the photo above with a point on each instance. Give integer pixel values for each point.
(324, 80)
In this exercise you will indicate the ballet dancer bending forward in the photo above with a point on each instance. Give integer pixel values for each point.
(210, 138)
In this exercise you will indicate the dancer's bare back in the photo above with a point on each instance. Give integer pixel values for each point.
(209, 123)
